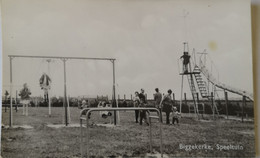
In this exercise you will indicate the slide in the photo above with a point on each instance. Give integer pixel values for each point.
(218, 84)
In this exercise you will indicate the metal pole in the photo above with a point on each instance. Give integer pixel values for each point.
(161, 145)
(185, 100)
(49, 100)
(181, 93)
(65, 94)
(114, 91)
(87, 133)
(59, 57)
(88, 110)
(150, 133)
(11, 100)
(81, 138)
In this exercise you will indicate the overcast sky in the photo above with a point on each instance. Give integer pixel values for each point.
(145, 36)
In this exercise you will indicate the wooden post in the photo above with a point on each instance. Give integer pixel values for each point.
(197, 95)
(118, 97)
(173, 98)
(198, 101)
(226, 101)
(124, 96)
(131, 97)
(212, 102)
(244, 103)
(6, 99)
(16, 101)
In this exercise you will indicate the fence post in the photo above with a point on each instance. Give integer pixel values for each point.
(226, 101)
(212, 102)
(16, 101)
(244, 103)
(173, 98)
(198, 101)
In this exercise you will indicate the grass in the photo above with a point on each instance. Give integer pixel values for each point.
(127, 140)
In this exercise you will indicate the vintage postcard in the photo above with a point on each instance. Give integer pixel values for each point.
(127, 78)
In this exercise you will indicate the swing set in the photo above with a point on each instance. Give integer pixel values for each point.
(65, 101)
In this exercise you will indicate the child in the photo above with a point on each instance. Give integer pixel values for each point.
(104, 114)
(85, 105)
(25, 98)
(175, 115)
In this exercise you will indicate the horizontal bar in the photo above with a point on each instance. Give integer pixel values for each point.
(9, 104)
(155, 117)
(59, 57)
(115, 109)
(83, 118)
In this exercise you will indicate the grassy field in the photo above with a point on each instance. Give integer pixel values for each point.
(127, 140)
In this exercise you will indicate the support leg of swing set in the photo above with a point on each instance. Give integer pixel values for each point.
(26, 107)
(49, 104)
(11, 100)
(23, 109)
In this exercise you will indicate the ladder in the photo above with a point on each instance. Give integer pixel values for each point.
(204, 89)
(194, 93)
(201, 84)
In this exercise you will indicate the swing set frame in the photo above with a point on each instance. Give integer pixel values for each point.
(64, 59)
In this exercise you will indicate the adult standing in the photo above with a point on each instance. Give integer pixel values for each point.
(158, 98)
(25, 98)
(143, 103)
(136, 104)
(167, 105)
(186, 61)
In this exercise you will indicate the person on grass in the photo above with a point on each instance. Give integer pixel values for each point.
(143, 103)
(85, 105)
(136, 104)
(167, 105)
(158, 98)
(25, 98)
(175, 115)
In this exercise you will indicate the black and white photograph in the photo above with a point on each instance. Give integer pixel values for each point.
(127, 78)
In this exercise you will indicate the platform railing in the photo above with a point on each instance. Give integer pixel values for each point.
(86, 112)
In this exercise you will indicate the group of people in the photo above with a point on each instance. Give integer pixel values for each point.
(101, 104)
(140, 101)
(162, 103)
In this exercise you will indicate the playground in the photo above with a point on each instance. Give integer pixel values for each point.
(49, 131)
(39, 139)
